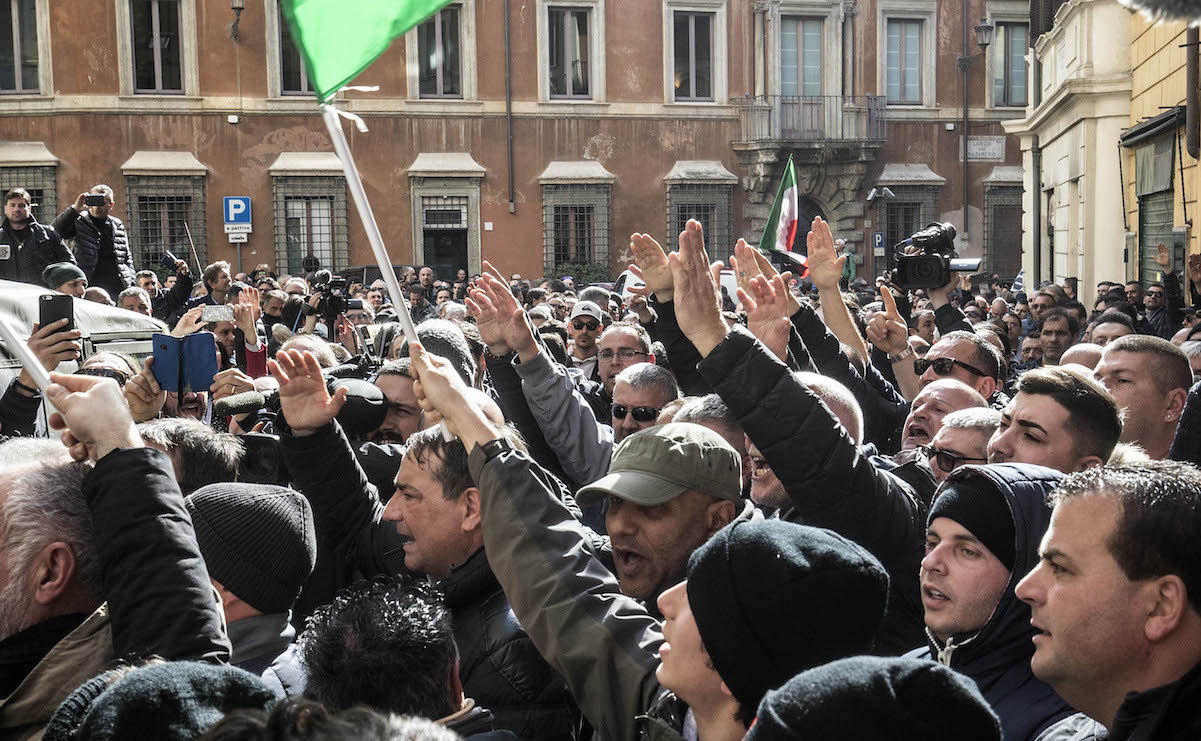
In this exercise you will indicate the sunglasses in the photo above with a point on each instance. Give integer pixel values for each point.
(943, 366)
(581, 325)
(947, 461)
(116, 375)
(1158, 294)
(640, 414)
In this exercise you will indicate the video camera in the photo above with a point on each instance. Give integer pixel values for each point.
(334, 299)
(932, 267)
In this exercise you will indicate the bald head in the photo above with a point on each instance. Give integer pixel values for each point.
(840, 400)
(1086, 354)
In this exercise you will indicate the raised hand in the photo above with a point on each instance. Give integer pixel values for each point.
(143, 394)
(487, 320)
(303, 396)
(1163, 257)
(886, 329)
(825, 265)
(511, 320)
(190, 322)
(767, 313)
(92, 415)
(652, 267)
(745, 266)
(229, 382)
(445, 398)
(1194, 269)
(698, 300)
(246, 313)
(769, 271)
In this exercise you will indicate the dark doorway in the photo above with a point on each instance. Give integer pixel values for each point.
(446, 251)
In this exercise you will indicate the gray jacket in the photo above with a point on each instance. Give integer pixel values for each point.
(583, 445)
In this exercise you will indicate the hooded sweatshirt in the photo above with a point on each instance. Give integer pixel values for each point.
(998, 656)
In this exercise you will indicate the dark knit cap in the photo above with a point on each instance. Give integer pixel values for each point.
(773, 598)
(878, 698)
(444, 339)
(59, 273)
(977, 505)
(257, 540)
(165, 702)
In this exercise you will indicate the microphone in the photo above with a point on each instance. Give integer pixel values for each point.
(243, 403)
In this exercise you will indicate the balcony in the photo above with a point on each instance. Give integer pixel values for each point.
(812, 118)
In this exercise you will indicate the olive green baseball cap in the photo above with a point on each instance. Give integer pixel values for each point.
(655, 465)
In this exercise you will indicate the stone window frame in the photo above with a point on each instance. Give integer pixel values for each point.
(721, 51)
(188, 56)
(41, 178)
(596, 49)
(598, 196)
(162, 185)
(45, 68)
(925, 11)
(468, 63)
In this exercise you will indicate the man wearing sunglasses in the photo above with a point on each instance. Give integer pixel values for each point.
(962, 439)
(963, 356)
(584, 328)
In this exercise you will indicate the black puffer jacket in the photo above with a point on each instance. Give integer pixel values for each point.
(832, 483)
(499, 666)
(72, 224)
(30, 251)
(997, 657)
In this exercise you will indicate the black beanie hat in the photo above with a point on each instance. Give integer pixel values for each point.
(59, 273)
(773, 598)
(444, 339)
(977, 505)
(877, 698)
(164, 701)
(257, 540)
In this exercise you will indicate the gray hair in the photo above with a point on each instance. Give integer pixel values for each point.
(107, 191)
(314, 344)
(839, 399)
(646, 376)
(1192, 348)
(133, 291)
(980, 419)
(453, 311)
(541, 311)
(710, 411)
(45, 504)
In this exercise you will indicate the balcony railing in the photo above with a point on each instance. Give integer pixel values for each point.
(812, 118)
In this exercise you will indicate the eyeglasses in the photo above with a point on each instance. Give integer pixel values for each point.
(580, 325)
(116, 375)
(1158, 294)
(945, 460)
(625, 353)
(640, 414)
(943, 366)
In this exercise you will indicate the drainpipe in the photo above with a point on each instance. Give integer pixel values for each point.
(1036, 213)
(509, 108)
(1192, 109)
(965, 65)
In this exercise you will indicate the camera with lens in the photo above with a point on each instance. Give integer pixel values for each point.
(933, 259)
(332, 288)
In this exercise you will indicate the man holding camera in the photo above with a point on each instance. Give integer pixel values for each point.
(100, 243)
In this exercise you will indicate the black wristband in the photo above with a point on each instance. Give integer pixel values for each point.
(493, 448)
(18, 384)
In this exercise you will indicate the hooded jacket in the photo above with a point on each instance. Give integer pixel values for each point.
(998, 656)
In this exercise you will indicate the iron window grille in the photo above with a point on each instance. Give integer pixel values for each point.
(1003, 229)
(575, 224)
(708, 203)
(163, 210)
(40, 182)
(310, 221)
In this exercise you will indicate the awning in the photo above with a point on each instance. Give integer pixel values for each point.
(145, 162)
(26, 154)
(575, 172)
(445, 165)
(302, 164)
(1164, 123)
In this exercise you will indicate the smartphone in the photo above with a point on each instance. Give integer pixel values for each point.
(94, 199)
(167, 359)
(168, 261)
(217, 313)
(55, 307)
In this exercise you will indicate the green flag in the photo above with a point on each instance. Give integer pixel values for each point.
(340, 38)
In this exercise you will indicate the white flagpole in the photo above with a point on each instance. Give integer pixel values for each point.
(355, 183)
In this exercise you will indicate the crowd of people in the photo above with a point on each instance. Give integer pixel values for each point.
(820, 508)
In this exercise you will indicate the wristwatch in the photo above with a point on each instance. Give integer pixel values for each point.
(906, 354)
(493, 448)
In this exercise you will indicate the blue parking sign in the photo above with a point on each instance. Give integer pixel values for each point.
(237, 209)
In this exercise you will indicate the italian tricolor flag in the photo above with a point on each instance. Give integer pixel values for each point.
(781, 228)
